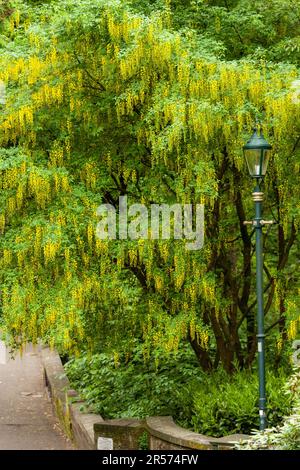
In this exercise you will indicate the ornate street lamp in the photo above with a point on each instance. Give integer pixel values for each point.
(256, 152)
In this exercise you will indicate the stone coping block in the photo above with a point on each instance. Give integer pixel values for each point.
(165, 433)
(83, 426)
(228, 442)
(124, 433)
(165, 430)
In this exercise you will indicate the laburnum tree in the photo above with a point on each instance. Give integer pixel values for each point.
(102, 101)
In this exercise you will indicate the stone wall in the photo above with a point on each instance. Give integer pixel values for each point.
(77, 424)
(90, 431)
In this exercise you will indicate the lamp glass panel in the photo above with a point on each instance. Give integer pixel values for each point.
(266, 157)
(257, 161)
(253, 161)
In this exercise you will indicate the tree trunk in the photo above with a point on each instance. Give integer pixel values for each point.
(202, 355)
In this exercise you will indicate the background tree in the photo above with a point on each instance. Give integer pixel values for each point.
(238, 28)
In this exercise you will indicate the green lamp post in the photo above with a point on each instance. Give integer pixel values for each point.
(257, 152)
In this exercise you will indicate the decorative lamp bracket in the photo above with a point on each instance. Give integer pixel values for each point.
(256, 223)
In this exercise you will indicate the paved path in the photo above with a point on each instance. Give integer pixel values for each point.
(26, 417)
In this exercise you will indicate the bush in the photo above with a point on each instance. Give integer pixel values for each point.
(227, 405)
(213, 404)
(285, 436)
(138, 388)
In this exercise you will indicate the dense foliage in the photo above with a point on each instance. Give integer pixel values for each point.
(209, 404)
(239, 28)
(224, 406)
(136, 389)
(106, 98)
(287, 435)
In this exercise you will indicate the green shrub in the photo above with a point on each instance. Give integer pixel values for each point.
(226, 405)
(138, 388)
(287, 435)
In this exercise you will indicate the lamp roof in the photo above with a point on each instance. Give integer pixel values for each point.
(257, 141)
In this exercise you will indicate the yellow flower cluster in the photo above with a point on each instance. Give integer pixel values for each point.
(15, 20)
(9, 178)
(293, 329)
(13, 71)
(11, 206)
(17, 123)
(48, 95)
(7, 257)
(56, 155)
(133, 257)
(21, 191)
(50, 250)
(161, 55)
(35, 41)
(37, 242)
(208, 289)
(2, 223)
(40, 188)
(124, 29)
(131, 63)
(78, 296)
(35, 68)
(158, 282)
(89, 175)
